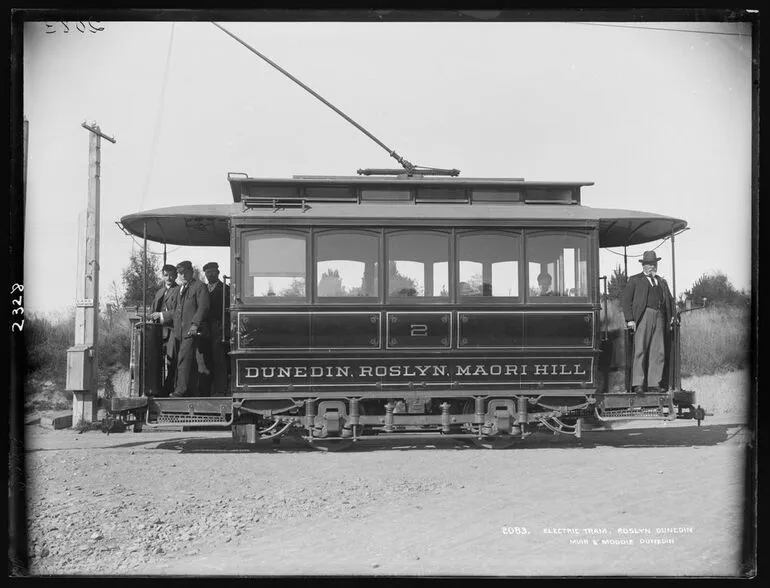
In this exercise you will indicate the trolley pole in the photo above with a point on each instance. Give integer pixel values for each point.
(82, 357)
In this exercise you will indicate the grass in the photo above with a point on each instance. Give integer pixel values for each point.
(715, 340)
(722, 394)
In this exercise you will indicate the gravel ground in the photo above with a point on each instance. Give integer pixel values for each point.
(194, 503)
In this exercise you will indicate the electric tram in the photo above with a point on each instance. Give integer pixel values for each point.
(407, 302)
(410, 304)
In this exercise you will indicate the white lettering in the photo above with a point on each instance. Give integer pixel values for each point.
(495, 370)
(511, 369)
(252, 372)
(439, 370)
(343, 371)
(381, 371)
(365, 371)
(563, 373)
(463, 370)
(300, 372)
(284, 372)
(579, 371)
(395, 370)
(541, 369)
(316, 372)
(480, 371)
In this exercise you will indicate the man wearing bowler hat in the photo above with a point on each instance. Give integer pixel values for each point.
(648, 310)
(216, 349)
(190, 326)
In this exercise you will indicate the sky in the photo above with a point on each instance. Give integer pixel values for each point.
(659, 120)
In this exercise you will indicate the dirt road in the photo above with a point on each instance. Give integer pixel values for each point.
(639, 500)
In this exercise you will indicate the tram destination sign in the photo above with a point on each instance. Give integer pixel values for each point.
(418, 371)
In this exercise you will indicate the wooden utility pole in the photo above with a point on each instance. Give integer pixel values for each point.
(81, 358)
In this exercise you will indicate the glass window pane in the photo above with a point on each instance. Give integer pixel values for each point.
(418, 264)
(489, 264)
(346, 264)
(557, 265)
(275, 265)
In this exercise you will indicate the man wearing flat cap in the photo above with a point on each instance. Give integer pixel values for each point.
(648, 310)
(190, 327)
(219, 323)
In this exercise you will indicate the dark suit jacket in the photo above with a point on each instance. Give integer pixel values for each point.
(220, 294)
(164, 301)
(634, 297)
(192, 307)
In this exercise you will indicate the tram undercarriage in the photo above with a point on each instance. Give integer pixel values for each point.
(330, 424)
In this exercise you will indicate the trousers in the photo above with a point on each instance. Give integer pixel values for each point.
(189, 364)
(649, 349)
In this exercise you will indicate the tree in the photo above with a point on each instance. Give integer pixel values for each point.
(617, 283)
(716, 289)
(133, 279)
(399, 283)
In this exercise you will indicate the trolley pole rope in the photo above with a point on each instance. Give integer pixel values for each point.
(408, 166)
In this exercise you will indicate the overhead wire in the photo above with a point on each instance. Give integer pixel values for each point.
(624, 26)
(158, 120)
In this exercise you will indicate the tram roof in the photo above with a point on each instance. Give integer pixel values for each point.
(209, 224)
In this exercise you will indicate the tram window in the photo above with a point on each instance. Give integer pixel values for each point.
(441, 195)
(488, 264)
(539, 195)
(371, 195)
(347, 264)
(489, 195)
(275, 265)
(556, 266)
(418, 265)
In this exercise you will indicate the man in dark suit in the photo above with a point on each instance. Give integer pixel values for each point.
(190, 327)
(163, 312)
(216, 350)
(648, 310)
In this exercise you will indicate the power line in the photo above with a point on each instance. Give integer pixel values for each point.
(596, 24)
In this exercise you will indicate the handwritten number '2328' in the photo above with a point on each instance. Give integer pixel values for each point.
(19, 309)
(79, 26)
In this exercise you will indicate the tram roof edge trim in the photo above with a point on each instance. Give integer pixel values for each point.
(238, 181)
(209, 224)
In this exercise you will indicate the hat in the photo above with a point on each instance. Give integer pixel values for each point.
(211, 265)
(168, 268)
(184, 265)
(649, 257)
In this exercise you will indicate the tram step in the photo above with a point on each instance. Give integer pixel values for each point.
(636, 413)
(189, 419)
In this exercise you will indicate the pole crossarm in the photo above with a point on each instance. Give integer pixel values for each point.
(96, 131)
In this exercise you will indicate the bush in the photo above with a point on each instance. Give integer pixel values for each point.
(47, 339)
(716, 289)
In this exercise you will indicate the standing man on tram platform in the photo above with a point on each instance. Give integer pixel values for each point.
(190, 330)
(648, 310)
(216, 349)
(163, 305)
